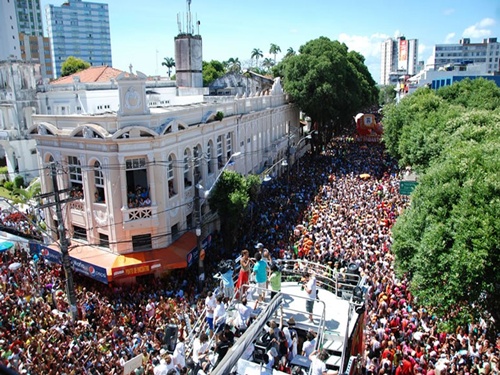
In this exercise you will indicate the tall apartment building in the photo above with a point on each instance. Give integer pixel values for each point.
(81, 29)
(464, 51)
(9, 42)
(21, 23)
(398, 55)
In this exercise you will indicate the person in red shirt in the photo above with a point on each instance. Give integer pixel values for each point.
(405, 367)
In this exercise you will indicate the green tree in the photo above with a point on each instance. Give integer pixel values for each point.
(256, 54)
(387, 94)
(73, 65)
(230, 198)
(267, 64)
(233, 65)
(168, 62)
(274, 49)
(328, 83)
(290, 52)
(211, 71)
(448, 240)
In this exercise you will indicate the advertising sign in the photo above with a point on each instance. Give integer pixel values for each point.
(403, 54)
(136, 269)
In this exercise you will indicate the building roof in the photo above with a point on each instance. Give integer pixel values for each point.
(93, 74)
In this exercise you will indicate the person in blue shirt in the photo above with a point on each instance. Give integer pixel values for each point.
(260, 271)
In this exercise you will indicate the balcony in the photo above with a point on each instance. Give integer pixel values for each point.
(139, 217)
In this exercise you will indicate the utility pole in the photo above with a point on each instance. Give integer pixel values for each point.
(63, 240)
(199, 225)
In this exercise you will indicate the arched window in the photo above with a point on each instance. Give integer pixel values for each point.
(229, 146)
(172, 190)
(75, 177)
(99, 194)
(197, 164)
(187, 172)
(210, 164)
(220, 161)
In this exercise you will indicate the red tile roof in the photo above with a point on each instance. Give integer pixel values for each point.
(89, 75)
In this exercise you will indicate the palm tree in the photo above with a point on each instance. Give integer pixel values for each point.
(274, 50)
(233, 65)
(169, 62)
(268, 63)
(256, 53)
(290, 52)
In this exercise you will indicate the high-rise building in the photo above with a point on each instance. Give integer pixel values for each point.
(21, 23)
(487, 53)
(81, 29)
(9, 42)
(29, 17)
(398, 55)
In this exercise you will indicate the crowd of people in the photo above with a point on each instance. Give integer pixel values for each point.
(323, 211)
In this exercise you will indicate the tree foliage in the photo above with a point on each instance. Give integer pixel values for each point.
(256, 54)
(211, 71)
(274, 49)
(387, 95)
(169, 63)
(73, 65)
(329, 83)
(230, 198)
(448, 240)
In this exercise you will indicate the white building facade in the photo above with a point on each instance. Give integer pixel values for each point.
(113, 160)
(487, 52)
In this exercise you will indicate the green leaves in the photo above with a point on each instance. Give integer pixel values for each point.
(448, 240)
(73, 65)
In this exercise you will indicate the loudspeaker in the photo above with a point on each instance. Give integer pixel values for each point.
(170, 339)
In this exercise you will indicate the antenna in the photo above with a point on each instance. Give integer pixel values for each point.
(189, 25)
(179, 23)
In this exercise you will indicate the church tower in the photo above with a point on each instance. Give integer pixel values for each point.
(188, 52)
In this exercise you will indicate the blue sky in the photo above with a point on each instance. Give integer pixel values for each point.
(142, 32)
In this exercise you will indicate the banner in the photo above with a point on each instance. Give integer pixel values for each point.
(135, 269)
(403, 54)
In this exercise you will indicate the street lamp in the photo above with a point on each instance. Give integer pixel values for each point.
(309, 136)
(266, 174)
(199, 200)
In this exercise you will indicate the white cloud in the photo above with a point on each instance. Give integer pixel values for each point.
(397, 34)
(368, 46)
(421, 50)
(480, 29)
(449, 38)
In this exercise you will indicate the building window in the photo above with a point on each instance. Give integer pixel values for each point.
(75, 177)
(79, 233)
(171, 177)
(209, 158)
(187, 175)
(197, 165)
(103, 240)
(174, 232)
(220, 161)
(137, 178)
(142, 242)
(99, 194)
(229, 146)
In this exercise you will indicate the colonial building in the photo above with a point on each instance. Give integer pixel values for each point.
(134, 171)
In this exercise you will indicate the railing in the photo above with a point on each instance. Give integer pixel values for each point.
(140, 213)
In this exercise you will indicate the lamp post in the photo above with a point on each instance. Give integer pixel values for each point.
(309, 136)
(266, 177)
(199, 200)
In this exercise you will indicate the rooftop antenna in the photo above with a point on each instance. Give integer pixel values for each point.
(189, 26)
(179, 23)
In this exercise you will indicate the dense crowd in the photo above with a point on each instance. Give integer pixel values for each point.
(323, 211)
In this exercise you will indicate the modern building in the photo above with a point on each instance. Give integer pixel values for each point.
(29, 17)
(398, 56)
(465, 52)
(81, 29)
(9, 40)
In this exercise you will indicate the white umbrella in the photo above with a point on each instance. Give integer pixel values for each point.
(14, 266)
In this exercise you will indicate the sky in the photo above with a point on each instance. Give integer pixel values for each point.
(142, 32)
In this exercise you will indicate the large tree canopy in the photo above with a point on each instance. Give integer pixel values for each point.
(448, 240)
(73, 65)
(329, 83)
(211, 71)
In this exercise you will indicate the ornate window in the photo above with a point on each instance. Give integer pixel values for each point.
(75, 177)
(99, 195)
(171, 177)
